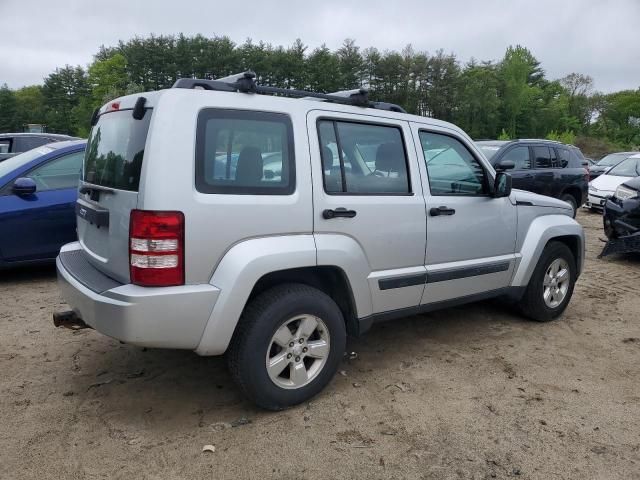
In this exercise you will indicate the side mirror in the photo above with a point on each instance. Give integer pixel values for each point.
(502, 185)
(24, 186)
(503, 165)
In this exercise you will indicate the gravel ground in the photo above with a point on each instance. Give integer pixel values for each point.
(469, 392)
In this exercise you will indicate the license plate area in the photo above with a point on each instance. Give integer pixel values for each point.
(93, 215)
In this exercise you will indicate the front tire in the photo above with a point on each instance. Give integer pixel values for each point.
(551, 285)
(287, 346)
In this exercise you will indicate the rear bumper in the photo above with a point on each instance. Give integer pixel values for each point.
(166, 317)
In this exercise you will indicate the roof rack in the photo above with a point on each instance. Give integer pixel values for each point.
(245, 82)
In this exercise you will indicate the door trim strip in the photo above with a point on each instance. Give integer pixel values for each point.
(464, 272)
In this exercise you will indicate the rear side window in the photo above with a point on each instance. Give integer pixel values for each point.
(243, 152)
(520, 157)
(564, 156)
(115, 150)
(362, 159)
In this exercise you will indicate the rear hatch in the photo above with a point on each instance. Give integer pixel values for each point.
(109, 186)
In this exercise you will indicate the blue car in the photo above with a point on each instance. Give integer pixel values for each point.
(38, 191)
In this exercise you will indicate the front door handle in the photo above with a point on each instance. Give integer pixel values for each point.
(434, 212)
(338, 212)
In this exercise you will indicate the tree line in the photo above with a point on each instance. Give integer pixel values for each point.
(509, 98)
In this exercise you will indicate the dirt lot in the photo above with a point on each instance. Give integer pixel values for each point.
(470, 392)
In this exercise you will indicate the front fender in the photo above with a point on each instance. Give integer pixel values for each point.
(239, 270)
(541, 230)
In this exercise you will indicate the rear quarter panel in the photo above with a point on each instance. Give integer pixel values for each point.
(214, 223)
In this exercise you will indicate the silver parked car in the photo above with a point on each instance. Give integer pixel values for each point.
(216, 217)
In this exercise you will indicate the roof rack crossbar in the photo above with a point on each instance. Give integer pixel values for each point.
(245, 82)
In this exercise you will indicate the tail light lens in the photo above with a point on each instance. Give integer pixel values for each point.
(156, 248)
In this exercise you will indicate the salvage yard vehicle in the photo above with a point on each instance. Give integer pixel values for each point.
(622, 219)
(38, 192)
(187, 240)
(606, 184)
(607, 162)
(546, 167)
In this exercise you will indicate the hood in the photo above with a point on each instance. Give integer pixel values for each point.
(608, 183)
(541, 200)
(597, 168)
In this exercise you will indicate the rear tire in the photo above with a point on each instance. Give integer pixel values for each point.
(550, 290)
(287, 346)
(570, 199)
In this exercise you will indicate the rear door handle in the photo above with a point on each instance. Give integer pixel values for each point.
(338, 212)
(434, 212)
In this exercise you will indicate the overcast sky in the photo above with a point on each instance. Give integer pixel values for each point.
(594, 37)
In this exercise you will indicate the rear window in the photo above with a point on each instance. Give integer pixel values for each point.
(115, 150)
(244, 152)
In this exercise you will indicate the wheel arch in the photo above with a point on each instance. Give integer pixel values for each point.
(543, 230)
(252, 266)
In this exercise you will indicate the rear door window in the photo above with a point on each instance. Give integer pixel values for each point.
(115, 150)
(542, 157)
(363, 159)
(245, 153)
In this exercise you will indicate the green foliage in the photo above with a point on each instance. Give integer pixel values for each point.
(508, 99)
(565, 137)
(504, 135)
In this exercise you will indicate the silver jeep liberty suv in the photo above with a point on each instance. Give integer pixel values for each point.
(266, 224)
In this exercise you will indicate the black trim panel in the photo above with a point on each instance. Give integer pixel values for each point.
(366, 323)
(98, 216)
(401, 282)
(464, 272)
(523, 203)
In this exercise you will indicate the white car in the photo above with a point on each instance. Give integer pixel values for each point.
(605, 185)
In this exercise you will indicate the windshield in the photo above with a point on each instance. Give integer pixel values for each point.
(627, 168)
(612, 159)
(18, 161)
(489, 150)
(115, 150)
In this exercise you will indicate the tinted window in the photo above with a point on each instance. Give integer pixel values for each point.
(63, 172)
(22, 144)
(542, 157)
(362, 159)
(564, 156)
(115, 150)
(451, 168)
(519, 156)
(244, 153)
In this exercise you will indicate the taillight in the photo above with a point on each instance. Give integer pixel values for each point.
(156, 248)
(587, 175)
